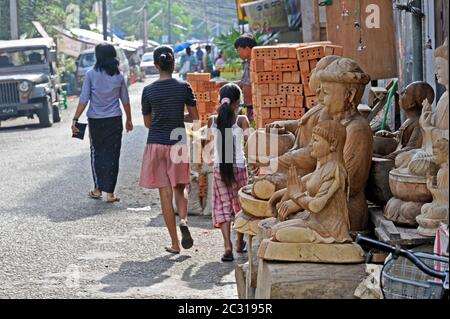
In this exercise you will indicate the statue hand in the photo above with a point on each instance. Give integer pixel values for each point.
(278, 125)
(427, 116)
(275, 199)
(287, 208)
(294, 186)
(426, 106)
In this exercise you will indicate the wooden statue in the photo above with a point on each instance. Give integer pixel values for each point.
(436, 212)
(316, 205)
(408, 183)
(342, 87)
(409, 136)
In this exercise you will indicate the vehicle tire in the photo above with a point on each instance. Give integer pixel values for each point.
(44, 114)
(55, 113)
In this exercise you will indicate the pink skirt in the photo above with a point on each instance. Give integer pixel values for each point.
(165, 165)
(225, 200)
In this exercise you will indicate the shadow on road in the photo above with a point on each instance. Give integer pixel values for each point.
(140, 273)
(208, 275)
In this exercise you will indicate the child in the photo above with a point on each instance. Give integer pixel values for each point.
(244, 45)
(163, 105)
(230, 172)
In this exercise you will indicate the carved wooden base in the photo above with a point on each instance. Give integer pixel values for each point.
(306, 252)
(401, 212)
(307, 280)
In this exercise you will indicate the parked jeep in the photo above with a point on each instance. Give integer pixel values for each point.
(29, 83)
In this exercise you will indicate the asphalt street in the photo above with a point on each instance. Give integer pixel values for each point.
(55, 242)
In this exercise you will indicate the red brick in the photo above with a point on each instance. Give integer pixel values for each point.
(268, 65)
(273, 89)
(311, 101)
(285, 65)
(292, 89)
(304, 67)
(307, 90)
(274, 112)
(288, 113)
(258, 65)
(269, 77)
(287, 77)
(262, 89)
(296, 77)
(283, 52)
(305, 78)
(311, 52)
(264, 113)
(193, 85)
(265, 52)
(313, 64)
(203, 97)
(273, 101)
(198, 77)
(292, 53)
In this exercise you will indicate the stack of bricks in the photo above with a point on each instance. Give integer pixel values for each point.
(206, 93)
(280, 76)
(308, 57)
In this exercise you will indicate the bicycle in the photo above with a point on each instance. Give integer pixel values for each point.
(400, 278)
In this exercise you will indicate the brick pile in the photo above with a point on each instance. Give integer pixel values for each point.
(280, 76)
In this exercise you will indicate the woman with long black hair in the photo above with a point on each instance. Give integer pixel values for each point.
(230, 132)
(104, 88)
(165, 165)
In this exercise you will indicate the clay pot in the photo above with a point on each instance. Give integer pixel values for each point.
(253, 206)
(384, 145)
(255, 143)
(409, 188)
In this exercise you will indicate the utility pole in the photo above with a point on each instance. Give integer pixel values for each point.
(145, 25)
(169, 16)
(13, 19)
(104, 20)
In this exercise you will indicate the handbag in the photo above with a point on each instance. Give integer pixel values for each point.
(82, 130)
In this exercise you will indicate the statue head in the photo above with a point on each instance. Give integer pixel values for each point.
(440, 151)
(414, 94)
(314, 82)
(343, 83)
(328, 137)
(442, 64)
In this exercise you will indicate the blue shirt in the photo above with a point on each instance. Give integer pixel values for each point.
(103, 92)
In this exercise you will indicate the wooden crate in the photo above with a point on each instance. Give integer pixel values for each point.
(290, 88)
(283, 65)
(269, 77)
(311, 52)
(198, 77)
(289, 113)
(273, 101)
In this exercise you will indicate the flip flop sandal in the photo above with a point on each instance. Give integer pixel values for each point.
(227, 257)
(186, 239)
(171, 250)
(92, 195)
(116, 199)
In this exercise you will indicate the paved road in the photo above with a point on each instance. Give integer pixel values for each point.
(57, 243)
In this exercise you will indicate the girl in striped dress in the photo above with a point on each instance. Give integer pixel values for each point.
(230, 172)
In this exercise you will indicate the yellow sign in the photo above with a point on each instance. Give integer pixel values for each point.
(241, 12)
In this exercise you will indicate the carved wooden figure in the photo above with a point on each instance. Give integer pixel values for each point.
(316, 205)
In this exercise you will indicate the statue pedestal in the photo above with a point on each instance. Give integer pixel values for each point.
(306, 252)
(307, 280)
(410, 194)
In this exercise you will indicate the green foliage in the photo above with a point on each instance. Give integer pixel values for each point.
(225, 43)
